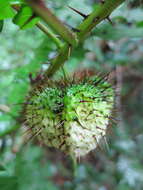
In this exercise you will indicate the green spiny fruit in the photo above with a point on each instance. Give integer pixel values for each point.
(71, 117)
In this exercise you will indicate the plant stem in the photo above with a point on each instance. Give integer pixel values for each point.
(43, 28)
(49, 33)
(59, 60)
(45, 13)
(85, 27)
(99, 14)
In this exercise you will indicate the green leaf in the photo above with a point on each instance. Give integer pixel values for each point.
(1, 25)
(5, 10)
(25, 18)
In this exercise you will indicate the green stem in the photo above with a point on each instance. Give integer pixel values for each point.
(45, 13)
(43, 28)
(85, 27)
(59, 60)
(99, 14)
(49, 33)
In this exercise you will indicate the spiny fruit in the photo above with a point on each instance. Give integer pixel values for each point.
(72, 117)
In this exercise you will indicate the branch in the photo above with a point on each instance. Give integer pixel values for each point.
(59, 60)
(40, 9)
(49, 33)
(43, 28)
(104, 10)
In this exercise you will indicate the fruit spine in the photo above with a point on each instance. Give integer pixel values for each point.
(72, 117)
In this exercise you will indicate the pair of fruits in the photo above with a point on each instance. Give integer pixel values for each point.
(72, 117)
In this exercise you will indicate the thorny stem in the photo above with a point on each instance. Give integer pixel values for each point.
(99, 14)
(59, 27)
(85, 27)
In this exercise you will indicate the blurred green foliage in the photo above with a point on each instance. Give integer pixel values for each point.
(116, 47)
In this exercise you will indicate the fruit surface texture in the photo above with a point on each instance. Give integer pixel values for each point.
(72, 117)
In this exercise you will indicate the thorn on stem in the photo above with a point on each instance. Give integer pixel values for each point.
(72, 28)
(96, 19)
(39, 77)
(102, 1)
(110, 21)
(78, 12)
(75, 29)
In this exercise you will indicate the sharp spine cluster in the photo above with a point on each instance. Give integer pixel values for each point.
(72, 118)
